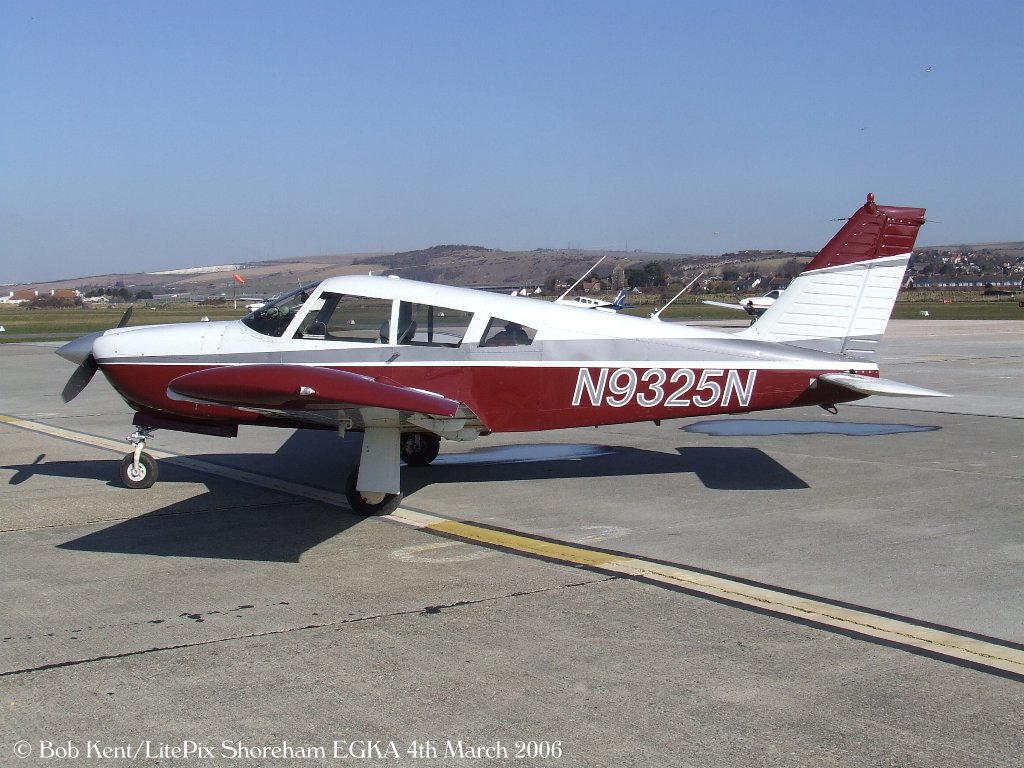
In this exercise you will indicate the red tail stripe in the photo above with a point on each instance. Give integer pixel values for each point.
(873, 232)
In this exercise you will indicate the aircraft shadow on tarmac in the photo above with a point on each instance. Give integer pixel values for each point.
(718, 468)
(218, 524)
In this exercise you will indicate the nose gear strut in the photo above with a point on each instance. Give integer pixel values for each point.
(138, 468)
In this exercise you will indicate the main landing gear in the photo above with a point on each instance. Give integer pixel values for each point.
(420, 448)
(417, 450)
(138, 469)
(369, 503)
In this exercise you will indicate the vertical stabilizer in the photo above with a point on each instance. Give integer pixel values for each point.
(842, 301)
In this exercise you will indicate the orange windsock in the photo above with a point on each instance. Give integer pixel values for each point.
(240, 280)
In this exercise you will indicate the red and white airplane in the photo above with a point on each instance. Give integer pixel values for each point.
(409, 363)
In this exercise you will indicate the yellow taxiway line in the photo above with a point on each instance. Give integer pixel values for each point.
(938, 642)
(933, 641)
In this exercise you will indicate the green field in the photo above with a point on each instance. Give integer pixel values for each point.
(22, 324)
(904, 310)
(958, 310)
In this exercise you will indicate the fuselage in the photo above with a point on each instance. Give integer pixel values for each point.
(515, 363)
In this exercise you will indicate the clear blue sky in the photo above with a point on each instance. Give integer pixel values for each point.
(157, 135)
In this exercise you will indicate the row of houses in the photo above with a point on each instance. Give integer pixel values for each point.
(26, 295)
(946, 282)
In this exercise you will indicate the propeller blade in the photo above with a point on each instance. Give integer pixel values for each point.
(79, 379)
(125, 317)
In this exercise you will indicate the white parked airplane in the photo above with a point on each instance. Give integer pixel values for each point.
(754, 305)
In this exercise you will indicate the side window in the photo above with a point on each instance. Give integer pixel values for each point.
(425, 325)
(505, 333)
(347, 318)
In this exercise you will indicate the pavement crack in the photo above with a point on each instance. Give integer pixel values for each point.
(424, 611)
(432, 610)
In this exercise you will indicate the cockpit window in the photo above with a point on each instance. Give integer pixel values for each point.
(347, 318)
(337, 317)
(275, 316)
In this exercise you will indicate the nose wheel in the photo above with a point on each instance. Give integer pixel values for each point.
(140, 474)
(138, 468)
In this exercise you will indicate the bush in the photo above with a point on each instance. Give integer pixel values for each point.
(55, 302)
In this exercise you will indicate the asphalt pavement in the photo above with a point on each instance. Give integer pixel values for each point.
(791, 588)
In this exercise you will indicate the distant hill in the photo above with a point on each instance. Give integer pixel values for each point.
(473, 265)
(1009, 251)
(466, 265)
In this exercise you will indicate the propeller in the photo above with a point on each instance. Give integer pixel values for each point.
(125, 317)
(80, 351)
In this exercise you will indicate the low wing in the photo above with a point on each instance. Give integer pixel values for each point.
(869, 385)
(740, 307)
(726, 305)
(304, 388)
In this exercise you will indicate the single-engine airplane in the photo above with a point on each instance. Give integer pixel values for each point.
(410, 363)
(588, 302)
(755, 306)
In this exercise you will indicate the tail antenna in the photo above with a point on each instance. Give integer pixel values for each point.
(573, 286)
(657, 315)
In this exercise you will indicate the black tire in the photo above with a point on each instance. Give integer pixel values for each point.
(420, 448)
(144, 477)
(369, 504)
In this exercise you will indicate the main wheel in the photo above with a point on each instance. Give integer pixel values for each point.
(367, 502)
(420, 448)
(141, 477)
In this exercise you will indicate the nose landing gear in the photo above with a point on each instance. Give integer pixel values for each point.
(138, 468)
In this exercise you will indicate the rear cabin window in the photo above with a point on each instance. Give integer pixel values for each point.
(505, 333)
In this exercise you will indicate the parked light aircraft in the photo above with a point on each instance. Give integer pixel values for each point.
(588, 302)
(410, 363)
(754, 306)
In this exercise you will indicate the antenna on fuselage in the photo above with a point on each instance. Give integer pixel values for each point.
(656, 316)
(584, 277)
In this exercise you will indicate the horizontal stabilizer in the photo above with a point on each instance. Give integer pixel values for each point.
(869, 385)
(300, 387)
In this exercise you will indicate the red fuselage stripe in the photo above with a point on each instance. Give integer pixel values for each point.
(531, 398)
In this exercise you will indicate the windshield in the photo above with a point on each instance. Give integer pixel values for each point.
(274, 317)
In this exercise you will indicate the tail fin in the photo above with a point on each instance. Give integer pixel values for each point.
(620, 300)
(842, 300)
